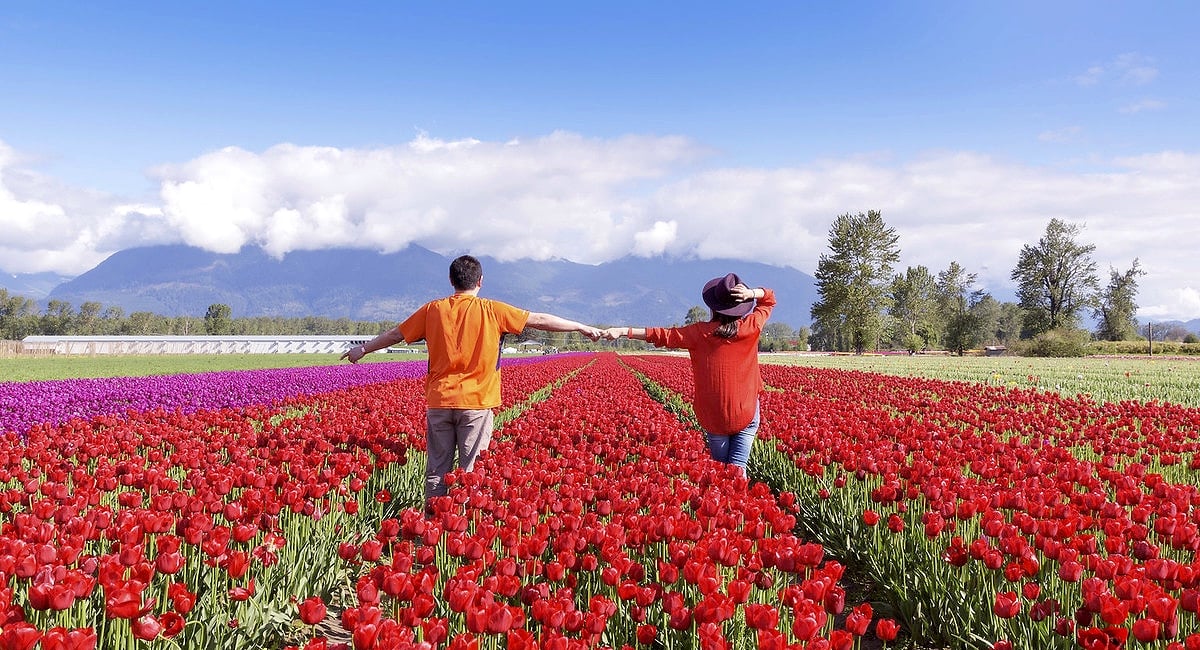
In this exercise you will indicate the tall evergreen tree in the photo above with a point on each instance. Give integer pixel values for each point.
(914, 308)
(853, 280)
(1116, 306)
(59, 317)
(987, 312)
(956, 298)
(218, 319)
(1055, 279)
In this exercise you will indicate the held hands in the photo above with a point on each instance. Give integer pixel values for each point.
(613, 333)
(591, 332)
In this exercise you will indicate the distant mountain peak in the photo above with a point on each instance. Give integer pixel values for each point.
(36, 286)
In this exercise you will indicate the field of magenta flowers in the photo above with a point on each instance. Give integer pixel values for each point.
(279, 509)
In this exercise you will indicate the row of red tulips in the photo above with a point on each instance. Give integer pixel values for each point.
(1022, 518)
(598, 520)
(200, 529)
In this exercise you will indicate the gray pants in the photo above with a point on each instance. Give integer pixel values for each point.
(447, 431)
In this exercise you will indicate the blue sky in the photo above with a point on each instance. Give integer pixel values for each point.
(592, 131)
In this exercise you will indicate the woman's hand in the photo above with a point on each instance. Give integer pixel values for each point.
(743, 293)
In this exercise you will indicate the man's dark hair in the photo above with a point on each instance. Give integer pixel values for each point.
(465, 273)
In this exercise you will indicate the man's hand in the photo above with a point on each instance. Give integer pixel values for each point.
(591, 332)
(354, 354)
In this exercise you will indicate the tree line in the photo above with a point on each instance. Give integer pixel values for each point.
(865, 304)
(20, 317)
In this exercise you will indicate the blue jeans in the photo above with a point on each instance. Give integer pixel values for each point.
(734, 448)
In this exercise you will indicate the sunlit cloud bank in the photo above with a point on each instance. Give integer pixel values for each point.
(46, 225)
(561, 195)
(592, 200)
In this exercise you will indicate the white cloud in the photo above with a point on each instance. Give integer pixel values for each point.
(1091, 76)
(48, 226)
(560, 195)
(1063, 135)
(1183, 303)
(1144, 105)
(1130, 69)
(592, 200)
(1135, 69)
(655, 240)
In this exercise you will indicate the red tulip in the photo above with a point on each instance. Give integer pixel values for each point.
(859, 619)
(365, 636)
(886, 629)
(59, 638)
(312, 610)
(1146, 630)
(1114, 611)
(1006, 604)
(761, 617)
(371, 550)
(172, 624)
(242, 593)
(1031, 590)
(146, 627)
(19, 636)
(435, 630)
(1070, 571)
(835, 601)
(182, 600)
(841, 640)
(125, 601)
(169, 563)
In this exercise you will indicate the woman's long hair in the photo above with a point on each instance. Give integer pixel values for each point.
(728, 327)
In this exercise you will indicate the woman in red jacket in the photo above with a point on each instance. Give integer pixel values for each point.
(724, 353)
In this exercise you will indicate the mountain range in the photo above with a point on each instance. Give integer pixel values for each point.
(366, 285)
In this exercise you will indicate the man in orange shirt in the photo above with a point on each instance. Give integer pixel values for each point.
(463, 333)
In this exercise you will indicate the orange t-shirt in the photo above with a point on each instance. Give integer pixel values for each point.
(725, 371)
(463, 333)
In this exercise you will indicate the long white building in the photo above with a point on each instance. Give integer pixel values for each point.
(87, 345)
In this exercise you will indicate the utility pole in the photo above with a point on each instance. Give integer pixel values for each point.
(1150, 337)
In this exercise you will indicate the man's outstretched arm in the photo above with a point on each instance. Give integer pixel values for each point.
(385, 340)
(552, 323)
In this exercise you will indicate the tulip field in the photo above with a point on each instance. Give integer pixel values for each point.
(282, 509)
(1174, 380)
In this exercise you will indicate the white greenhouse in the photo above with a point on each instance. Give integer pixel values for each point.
(87, 345)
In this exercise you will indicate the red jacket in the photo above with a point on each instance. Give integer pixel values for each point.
(725, 370)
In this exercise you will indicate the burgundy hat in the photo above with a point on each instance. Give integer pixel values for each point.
(716, 295)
